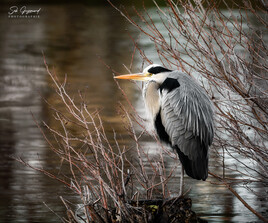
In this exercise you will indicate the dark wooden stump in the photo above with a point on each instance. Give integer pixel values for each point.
(161, 211)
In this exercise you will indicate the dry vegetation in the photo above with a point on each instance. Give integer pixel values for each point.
(113, 185)
(227, 50)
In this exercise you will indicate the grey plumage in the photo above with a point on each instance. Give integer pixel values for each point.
(187, 117)
(187, 111)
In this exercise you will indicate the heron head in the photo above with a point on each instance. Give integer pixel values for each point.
(147, 73)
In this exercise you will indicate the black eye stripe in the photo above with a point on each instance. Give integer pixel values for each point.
(157, 70)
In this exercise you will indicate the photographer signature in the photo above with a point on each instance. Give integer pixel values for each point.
(15, 10)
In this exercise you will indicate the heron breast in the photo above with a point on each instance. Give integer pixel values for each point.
(151, 97)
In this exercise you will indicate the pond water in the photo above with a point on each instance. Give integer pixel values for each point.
(72, 38)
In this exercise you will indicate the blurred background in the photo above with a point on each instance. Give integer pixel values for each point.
(75, 38)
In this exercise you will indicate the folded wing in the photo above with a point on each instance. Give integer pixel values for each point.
(187, 117)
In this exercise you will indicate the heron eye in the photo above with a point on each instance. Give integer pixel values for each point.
(149, 74)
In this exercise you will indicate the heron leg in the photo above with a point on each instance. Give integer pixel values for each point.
(181, 181)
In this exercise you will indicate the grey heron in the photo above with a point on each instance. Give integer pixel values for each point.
(182, 114)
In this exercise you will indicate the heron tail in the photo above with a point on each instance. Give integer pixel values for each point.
(198, 168)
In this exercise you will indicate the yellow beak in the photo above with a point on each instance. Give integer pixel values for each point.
(137, 76)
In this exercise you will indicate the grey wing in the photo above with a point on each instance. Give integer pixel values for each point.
(187, 116)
